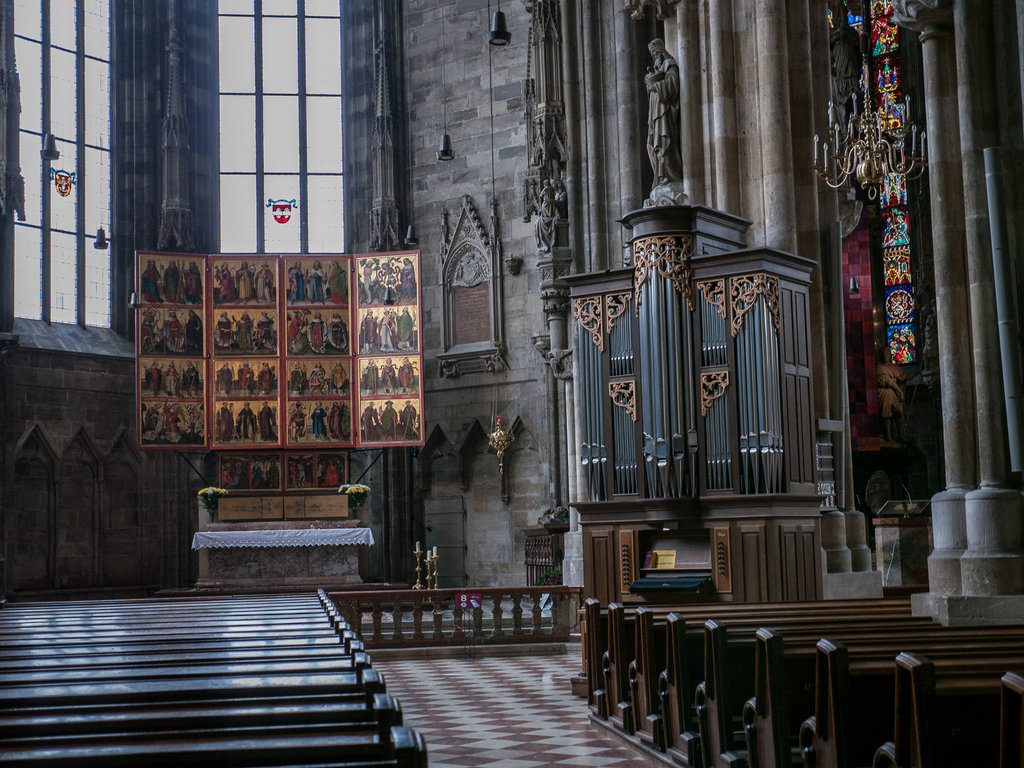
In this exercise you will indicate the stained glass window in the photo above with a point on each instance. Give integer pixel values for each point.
(281, 185)
(887, 95)
(63, 55)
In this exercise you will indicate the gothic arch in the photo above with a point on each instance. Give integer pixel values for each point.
(472, 322)
(31, 524)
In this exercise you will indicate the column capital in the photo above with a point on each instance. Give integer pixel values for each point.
(924, 15)
(663, 9)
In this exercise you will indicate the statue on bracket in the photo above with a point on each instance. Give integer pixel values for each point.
(662, 82)
(552, 210)
(892, 394)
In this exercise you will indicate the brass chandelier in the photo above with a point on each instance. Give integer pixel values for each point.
(872, 146)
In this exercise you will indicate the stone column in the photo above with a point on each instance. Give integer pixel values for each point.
(691, 134)
(933, 18)
(993, 563)
(723, 106)
(627, 57)
(776, 126)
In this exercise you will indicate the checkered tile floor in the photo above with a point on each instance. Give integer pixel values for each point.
(502, 712)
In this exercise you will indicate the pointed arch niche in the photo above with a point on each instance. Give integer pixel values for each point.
(471, 290)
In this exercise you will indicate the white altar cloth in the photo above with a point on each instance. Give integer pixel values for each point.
(304, 537)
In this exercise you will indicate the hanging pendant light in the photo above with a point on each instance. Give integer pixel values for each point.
(499, 31)
(410, 236)
(49, 151)
(101, 243)
(444, 149)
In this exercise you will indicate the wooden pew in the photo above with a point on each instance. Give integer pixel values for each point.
(765, 714)
(403, 747)
(162, 686)
(675, 692)
(716, 702)
(1011, 721)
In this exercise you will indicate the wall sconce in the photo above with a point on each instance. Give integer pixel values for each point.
(49, 151)
(854, 287)
(500, 440)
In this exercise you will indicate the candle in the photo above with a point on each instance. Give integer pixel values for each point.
(435, 551)
(815, 149)
(418, 546)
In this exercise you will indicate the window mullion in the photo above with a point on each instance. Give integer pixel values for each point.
(80, 162)
(261, 233)
(44, 197)
(303, 160)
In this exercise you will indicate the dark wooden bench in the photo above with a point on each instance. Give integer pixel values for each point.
(968, 662)
(227, 682)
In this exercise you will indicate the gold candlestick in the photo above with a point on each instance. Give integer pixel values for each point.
(432, 561)
(419, 567)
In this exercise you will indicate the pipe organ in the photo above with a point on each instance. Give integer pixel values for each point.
(697, 431)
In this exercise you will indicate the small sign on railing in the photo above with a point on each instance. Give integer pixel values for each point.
(469, 600)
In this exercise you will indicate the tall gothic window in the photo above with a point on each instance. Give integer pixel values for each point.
(280, 126)
(63, 58)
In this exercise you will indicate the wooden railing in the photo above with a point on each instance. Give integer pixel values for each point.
(473, 616)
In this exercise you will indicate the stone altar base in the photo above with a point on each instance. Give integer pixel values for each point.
(282, 566)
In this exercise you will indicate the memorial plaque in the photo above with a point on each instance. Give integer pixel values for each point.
(471, 313)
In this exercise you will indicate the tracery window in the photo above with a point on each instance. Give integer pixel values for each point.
(63, 58)
(281, 185)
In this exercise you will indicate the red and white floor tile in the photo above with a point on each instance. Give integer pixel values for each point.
(502, 712)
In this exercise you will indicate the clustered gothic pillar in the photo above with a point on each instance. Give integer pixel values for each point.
(976, 520)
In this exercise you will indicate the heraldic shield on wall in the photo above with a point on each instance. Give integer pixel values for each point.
(294, 351)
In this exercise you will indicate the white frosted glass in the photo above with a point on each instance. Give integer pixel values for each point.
(29, 60)
(63, 278)
(238, 214)
(281, 134)
(322, 8)
(97, 29)
(323, 134)
(63, 24)
(281, 237)
(28, 19)
(280, 56)
(326, 214)
(237, 134)
(323, 56)
(279, 7)
(97, 190)
(97, 285)
(30, 170)
(63, 95)
(97, 103)
(237, 70)
(235, 6)
(28, 272)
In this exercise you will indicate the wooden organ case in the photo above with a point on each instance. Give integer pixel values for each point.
(695, 417)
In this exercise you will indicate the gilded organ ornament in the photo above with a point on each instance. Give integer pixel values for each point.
(588, 311)
(712, 387)
(623, 394)
(744, 291)
(669, 256)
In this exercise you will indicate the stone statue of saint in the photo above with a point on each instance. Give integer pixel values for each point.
(662, 81)
(546, 229)
(844, 52)
(892, 393)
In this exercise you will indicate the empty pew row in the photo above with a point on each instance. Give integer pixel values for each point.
(226, 681)
(805, 685)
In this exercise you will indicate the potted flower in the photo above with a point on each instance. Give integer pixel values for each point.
(356, 493)
(209, 496)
